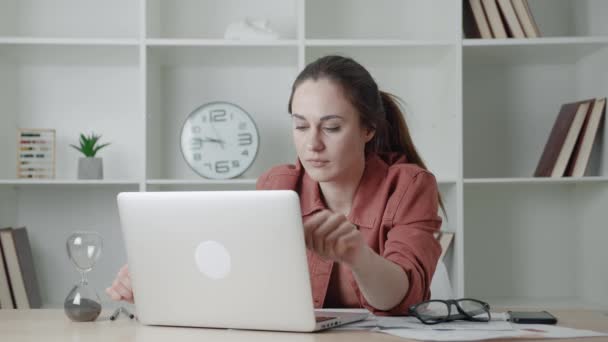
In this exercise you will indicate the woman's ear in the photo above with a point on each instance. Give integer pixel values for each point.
(369, 134)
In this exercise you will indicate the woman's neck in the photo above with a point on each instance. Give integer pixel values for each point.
(339, 194)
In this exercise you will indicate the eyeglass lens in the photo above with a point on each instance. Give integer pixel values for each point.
(435, 311)
(432, 311)
(474, 309)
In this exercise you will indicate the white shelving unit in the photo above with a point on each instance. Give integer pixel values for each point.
(534, 241)
(479, 111)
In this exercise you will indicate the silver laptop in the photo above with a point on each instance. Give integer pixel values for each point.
(221, 259)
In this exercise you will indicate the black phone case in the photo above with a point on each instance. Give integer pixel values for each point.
(532, 320)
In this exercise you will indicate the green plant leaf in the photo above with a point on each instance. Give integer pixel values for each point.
(88, 144)
(79, 149)
(99, 148)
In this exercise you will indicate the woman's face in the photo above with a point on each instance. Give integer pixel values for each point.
(327, 132)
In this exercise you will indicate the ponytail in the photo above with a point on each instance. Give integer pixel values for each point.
(395, 135)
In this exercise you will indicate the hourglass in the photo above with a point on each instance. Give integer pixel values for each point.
(82, 303)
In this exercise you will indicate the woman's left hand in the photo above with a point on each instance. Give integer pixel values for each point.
(333, 237)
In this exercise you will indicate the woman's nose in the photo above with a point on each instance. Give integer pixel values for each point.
(315, 142)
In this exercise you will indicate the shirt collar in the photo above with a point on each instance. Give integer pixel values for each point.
(364, 209)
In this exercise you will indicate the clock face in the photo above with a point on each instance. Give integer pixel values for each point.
(219, 140)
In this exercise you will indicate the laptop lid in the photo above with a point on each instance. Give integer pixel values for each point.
(221, 259)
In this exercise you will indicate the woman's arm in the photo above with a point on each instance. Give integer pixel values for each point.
(383, 283)
(399, 274)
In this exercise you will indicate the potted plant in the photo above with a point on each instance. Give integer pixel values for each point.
(89, 166)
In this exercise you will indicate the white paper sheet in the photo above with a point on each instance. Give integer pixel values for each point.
(531, 331)
(499, 327)
(555, 331)
(499, 322)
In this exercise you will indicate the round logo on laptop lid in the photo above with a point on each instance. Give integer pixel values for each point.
(212, 259)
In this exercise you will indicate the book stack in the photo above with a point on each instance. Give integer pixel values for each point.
(498, 19)
(18, 281)
(571, 140)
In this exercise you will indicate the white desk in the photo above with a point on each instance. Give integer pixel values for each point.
(53, 325)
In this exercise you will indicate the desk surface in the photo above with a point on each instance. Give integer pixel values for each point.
(53, 325)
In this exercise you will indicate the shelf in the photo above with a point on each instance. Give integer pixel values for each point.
(537, 41)
(73, 89)
(73, 52)
(216, 55)
(510, 106)
(535, 180)
(551, 50)
(446, 181)
(245, 181)
(220, 42)
(68, 41)
(68, 182)
(57, 182)
(519, 240)
(380, 43)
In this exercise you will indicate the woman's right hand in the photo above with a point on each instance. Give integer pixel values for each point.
(121, 287)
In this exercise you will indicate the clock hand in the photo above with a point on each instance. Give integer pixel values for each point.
(199, 142)
(216, 133)
(219, 141)
(214, 140)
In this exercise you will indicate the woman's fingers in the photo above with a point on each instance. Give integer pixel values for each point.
(346, 243)
(123, 272)
(122, 290)
(113, 294)
(126, 282)
(332, 238)
(319, 235)
(331, 235)
(311, 224)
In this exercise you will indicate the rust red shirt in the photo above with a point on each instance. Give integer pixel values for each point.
(396, 209)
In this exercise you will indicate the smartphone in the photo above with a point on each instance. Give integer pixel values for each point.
(532, 317)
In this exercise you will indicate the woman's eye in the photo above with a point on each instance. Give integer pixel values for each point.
(332, 129)
(301, 128)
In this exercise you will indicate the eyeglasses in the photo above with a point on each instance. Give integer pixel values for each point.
(437, 311)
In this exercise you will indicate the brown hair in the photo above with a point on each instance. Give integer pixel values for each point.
(378, 110)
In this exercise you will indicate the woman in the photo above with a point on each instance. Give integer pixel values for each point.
(369, 205)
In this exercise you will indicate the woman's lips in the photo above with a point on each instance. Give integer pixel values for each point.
(317, 162)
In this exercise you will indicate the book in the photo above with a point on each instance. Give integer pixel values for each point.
(561, 141)
(510, 19)
(20, 266)
(494, 18)
(522, 9)
(6, 295)
(445, 240)
(475, 22)
(582, 150)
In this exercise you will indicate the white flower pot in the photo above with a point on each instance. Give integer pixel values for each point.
(90, 168)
